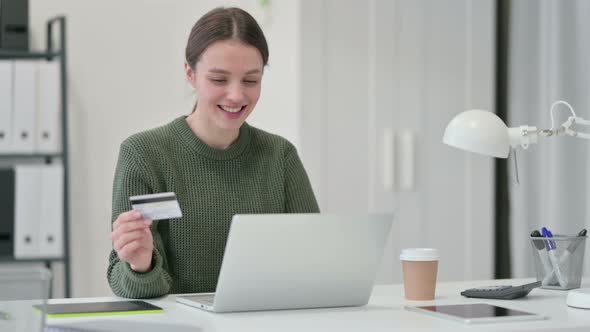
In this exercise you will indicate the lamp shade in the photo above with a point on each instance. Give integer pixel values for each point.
(480, 132)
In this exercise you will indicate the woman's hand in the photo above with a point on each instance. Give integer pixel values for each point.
(132, 240)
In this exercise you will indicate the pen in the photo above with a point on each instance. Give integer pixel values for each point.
(538, 243)
(550, 246)
(571, 248)
(563, 258)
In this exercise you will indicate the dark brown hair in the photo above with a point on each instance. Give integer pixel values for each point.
(223, 24)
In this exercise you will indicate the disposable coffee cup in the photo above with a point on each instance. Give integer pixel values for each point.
(419, 266)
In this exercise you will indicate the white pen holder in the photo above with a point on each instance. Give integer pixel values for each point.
(558, 260)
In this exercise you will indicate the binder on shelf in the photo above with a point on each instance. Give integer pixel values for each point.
(24, 110)
(6, 212)
(48, 131)
(6, 94)
(51, 211)
(27, 199)
(38, 211)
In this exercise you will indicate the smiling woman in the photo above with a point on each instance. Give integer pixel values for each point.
(215, 162)
(227, 79)
(225, 58)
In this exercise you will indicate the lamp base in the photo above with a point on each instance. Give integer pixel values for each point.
(579, 298)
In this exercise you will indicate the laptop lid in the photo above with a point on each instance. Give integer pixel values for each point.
(288, 261)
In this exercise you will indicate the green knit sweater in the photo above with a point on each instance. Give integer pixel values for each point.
(259, 173)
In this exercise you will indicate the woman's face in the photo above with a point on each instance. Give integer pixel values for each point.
(227, 80)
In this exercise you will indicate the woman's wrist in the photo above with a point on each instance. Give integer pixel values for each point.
(141, 268)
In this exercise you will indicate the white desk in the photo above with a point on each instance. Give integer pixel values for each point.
(384, 312)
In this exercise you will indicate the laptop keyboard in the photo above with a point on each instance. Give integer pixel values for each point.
(207, 299)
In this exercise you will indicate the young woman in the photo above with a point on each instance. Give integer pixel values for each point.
(215, 162)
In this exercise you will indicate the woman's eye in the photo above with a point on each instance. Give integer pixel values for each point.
(219, 81)
(250, 82)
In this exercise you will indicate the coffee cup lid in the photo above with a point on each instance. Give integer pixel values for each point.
(419, 254)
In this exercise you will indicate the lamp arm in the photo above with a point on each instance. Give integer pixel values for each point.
(566, 127)
(523, 136)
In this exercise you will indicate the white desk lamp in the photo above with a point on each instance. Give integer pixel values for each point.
(485, 133)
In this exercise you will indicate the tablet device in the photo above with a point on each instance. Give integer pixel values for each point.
(476, 313)
(67, 310)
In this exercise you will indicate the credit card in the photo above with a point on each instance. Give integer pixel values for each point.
(157, 206)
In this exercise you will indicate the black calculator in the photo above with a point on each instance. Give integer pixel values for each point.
(505, 292)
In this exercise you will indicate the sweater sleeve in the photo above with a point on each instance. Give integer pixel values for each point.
(131, 178)
(299, 196)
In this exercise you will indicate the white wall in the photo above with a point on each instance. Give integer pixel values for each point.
(401, 66)
(125, 61)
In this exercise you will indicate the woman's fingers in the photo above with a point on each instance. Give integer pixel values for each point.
(127, 237)
(133, 250)
(129, 226)
(128, 252)
(132, 237)
(126, 217)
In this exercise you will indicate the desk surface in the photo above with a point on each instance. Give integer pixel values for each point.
(384, 312)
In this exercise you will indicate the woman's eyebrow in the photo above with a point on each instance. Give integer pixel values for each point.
(223, 71)
(218, 71)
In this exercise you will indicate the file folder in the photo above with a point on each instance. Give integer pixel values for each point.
(24, 110)
(48, 131)
(27, 199)
(51, 211)
(6, 94)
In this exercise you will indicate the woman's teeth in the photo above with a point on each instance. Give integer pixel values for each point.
(231, 109)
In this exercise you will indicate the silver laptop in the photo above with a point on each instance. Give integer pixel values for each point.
(290, 261)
